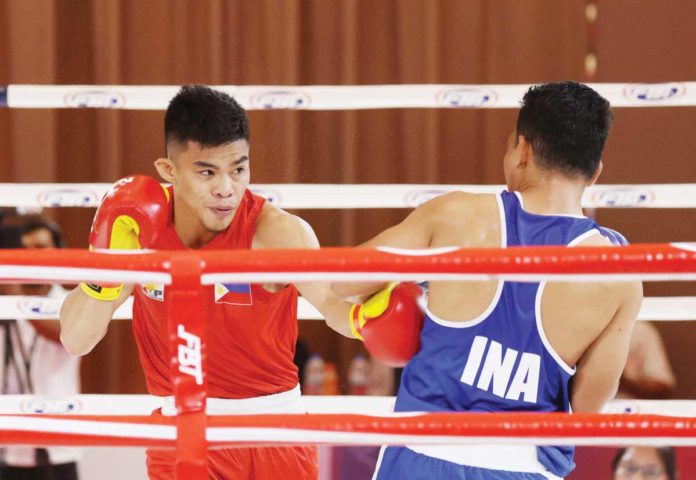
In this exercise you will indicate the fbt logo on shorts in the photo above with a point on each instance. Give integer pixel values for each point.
(280, 99)
(189, 355)
(495, 366)
(67, 197)
(654, 92)
(467, 97)
(95, 99)
(622, 197)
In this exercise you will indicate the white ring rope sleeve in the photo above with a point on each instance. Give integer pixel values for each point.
(47, 308)
(336, 97)
(343, 196)
(90, 404)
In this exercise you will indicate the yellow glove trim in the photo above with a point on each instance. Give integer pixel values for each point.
(104, 294)
(377, 303)
(166, 192)
(124, 234)
(356, 317)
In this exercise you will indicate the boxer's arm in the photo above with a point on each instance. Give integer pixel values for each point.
(278, 229)
(599, 369)
(416, 231)
(84, 320)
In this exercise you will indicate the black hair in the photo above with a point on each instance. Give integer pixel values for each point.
(566, 124)
(667, 455)
(33, 223)
(206, 116)
(10, 236)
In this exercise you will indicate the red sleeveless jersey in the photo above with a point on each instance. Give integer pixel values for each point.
(251, 331)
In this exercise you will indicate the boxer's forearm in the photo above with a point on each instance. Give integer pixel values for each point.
(84, 321)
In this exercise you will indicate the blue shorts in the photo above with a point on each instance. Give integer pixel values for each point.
(400, 463)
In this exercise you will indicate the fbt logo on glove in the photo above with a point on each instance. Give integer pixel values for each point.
(495, 367)
(189, 355)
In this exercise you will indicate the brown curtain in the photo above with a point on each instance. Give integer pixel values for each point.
(340, 42)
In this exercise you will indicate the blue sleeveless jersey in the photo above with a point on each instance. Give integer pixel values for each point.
(501, 361)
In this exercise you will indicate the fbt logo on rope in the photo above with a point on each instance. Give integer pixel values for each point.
(622, 197)
(280, 99)
(51, 405)
(67, 197)
(189, 355)
(654, 92)
(416, 198)
(272, 196)
(467, 97)
(494, 370)
(95, 99)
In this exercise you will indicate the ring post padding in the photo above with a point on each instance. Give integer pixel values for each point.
(188, 340)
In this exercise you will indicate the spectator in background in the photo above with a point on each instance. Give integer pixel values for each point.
(646, 463)
(647, 373)
(36, 362)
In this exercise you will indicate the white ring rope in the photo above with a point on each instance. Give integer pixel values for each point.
(338, 196)
(93, 404)
(47, 308)
(351, 97)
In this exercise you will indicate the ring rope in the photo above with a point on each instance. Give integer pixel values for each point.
(655, 262)
(48, 308)
(342, 196)
(350, 97)
(352, 429)
(109, 405)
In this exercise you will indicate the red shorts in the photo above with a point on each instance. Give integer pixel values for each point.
(263, 463)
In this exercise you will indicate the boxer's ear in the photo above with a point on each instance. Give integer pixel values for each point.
(596, 175)
(166, 169)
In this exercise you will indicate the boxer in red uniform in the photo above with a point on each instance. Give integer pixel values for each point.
(253, 327)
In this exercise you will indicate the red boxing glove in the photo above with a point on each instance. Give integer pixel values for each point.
(133, 212)
(389, 323)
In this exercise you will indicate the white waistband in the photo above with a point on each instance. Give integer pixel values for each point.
(283, 402)
(510, 458)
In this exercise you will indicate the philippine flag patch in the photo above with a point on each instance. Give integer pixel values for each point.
(233, 293)
(154, 291)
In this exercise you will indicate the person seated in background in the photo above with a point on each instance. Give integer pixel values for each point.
(35, 360)
(646, 463)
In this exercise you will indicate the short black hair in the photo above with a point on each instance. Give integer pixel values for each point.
(206, 116)
(667, 455)
(566, 124)
(32, 223)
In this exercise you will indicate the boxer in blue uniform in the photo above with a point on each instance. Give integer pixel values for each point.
(511, 346)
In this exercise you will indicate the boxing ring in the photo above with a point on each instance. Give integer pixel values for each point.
(333, 420)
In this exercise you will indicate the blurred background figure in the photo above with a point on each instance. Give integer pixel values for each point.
(35, 362)
(648, 373)
(646, 463)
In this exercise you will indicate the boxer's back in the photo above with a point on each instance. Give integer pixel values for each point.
(485, 346)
